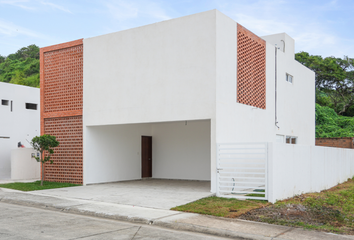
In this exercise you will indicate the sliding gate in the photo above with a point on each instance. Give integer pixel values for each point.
(242, 170)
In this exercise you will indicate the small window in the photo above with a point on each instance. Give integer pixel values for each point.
(289, 78)
(279, 138)
(5, 102)
(32, 106)
(291, 140)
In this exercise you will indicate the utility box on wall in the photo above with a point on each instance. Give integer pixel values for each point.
(23, 166)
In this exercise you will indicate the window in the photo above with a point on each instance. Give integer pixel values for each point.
(289, 78)
(279, 138)
(291, 140)
(32, 106)
(5, 102)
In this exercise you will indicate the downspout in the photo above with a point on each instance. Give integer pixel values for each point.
(276, 114)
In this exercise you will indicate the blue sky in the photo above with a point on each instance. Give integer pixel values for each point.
(320, 27)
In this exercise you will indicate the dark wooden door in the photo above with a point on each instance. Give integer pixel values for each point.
(146, 156)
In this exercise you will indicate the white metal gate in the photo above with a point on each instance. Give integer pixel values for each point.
(242, 170)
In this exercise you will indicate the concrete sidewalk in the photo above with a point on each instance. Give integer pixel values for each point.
(233, 228)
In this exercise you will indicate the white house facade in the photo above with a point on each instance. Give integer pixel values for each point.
(155, 101)
(19, 121)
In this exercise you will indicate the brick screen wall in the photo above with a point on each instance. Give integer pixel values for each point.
(345, 142)
(251, 68)
(61, 68)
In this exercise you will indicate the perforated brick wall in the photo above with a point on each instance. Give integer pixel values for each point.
(61, 68)
(251, 68)
(345, 142)
(63, 71)
(67, 165)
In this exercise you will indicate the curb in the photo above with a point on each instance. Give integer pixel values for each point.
(157, 222)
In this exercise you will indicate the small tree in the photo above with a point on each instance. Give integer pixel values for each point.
(41, 144)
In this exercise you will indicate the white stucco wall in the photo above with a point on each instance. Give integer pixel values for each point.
(297, 169)
(295, 101)
(179, 151)
(20, 125)
(155, 73)
(112, 153)
(23, 166)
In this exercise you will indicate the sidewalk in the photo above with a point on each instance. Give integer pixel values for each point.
(233, 228)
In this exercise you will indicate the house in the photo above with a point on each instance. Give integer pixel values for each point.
(155, 101)
(19, 121)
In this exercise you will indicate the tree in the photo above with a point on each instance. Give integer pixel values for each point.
(21, 67)
(43, 144)
(334, 77)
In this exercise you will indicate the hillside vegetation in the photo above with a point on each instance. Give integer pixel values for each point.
(330, 124)
(21, 67)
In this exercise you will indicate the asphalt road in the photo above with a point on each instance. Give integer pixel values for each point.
(20, 222)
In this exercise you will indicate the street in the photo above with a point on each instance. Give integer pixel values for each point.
(20, 222)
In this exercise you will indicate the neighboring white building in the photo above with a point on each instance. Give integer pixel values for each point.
(19, 121)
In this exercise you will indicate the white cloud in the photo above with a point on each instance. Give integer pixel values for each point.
(127, 10)
(9, 29)
(18, 3)
(55, 6)
(306, 25)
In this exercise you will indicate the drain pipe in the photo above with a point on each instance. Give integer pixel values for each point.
(276, 116)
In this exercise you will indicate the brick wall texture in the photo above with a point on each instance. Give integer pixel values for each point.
(251, 68)
(61, 68)
(345, 142)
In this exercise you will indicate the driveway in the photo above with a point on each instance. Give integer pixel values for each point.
(152, 193)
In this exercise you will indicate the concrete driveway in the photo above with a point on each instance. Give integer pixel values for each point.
(151, 193)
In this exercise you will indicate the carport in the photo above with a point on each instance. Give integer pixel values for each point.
(178, 150)
(174, 158)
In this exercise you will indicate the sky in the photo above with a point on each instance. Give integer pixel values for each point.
(319, 27)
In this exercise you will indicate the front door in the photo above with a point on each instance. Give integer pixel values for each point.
(146, 156)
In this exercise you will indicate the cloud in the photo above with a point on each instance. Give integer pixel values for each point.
(18, 3)
(55, 6)
(308, 24)
(9, 29)
(127, 10)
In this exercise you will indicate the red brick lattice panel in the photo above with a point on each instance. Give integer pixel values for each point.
(67, 165)
(61, 75)
(251, 69)
(63, 71)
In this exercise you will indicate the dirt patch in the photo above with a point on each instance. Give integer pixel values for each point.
(299, 215)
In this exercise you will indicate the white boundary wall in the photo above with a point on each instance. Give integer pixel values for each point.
(297, 169)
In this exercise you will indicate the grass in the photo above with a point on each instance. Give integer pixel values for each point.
(255, 194)
(221, 207)
(331, 210)
(33, 186)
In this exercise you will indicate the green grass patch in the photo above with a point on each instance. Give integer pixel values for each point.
(33, 186)
(255, 194)
(331, 210)
(221, 207)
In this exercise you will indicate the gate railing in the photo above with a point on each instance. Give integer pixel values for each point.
(242, 170)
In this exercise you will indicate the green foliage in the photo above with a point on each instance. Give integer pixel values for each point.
(21, 67)
(44, 144)
(334, 81)
(329, 124)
